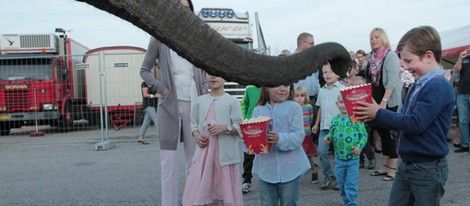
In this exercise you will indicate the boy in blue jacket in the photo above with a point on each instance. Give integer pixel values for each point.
(423, 122)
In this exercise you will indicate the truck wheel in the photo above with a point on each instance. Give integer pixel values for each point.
(66, 119)
(5, 129)
(93, 118)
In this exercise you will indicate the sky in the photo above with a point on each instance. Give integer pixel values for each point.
(343, 21)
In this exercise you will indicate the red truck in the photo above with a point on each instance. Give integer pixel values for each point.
(40, 81)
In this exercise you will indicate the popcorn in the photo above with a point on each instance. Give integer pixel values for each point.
(256, 119)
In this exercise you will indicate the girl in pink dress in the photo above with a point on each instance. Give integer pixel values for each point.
(214, 176)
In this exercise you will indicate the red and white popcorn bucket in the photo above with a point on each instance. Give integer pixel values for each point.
(255, 135)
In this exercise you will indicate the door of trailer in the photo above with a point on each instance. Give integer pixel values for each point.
(119, 68)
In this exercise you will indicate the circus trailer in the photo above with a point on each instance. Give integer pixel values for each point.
(236, 27)
(114, 73)
(38, 80)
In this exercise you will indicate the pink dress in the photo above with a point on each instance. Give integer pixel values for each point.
(207, 182)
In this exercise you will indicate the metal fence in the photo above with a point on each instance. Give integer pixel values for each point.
(71, 93)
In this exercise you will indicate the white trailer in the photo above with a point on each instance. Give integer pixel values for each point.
(119, 70)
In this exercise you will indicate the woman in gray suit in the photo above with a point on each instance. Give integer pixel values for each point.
(180, 84)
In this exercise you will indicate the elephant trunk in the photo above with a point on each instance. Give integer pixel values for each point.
(177, 27)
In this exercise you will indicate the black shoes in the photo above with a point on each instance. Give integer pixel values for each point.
(327, 182)
(314, 177)
(142, 142)
(461, 149)
(371, 165)
(246, 187)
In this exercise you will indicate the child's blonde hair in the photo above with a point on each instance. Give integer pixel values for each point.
(358, 80)
(301, 90)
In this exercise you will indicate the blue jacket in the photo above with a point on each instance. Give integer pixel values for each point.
(424, 120)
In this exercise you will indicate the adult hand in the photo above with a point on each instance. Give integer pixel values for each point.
(273, 137)
(464, 53)
(157, 95)
(326, 140)
(366, 111)
(165, 92)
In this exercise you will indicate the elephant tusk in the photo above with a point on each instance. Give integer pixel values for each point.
(182, 31)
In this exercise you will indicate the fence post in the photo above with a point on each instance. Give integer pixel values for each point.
(105, 144)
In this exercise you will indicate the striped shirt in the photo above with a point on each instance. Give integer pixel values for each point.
(308, 118)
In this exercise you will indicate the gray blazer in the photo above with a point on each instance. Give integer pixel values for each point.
(168, 125)
(391, 78)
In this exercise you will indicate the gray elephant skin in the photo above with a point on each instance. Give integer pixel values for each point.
(194, 40)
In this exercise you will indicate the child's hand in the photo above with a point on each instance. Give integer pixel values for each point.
(215, 129)
(383, 105)
(315, 129)
(273, 137)
(202, 141)
(366, 111)
(356, 151)
(326, 140)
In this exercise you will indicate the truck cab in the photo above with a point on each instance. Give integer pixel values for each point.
(37, 80)
(236, 27)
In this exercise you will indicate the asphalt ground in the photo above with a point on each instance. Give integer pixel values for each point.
(65, 169)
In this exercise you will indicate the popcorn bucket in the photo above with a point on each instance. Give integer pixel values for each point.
(352, 95)
(255, 136)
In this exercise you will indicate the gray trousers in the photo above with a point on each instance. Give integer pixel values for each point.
(150, 115)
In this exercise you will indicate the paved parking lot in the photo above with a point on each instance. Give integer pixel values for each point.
(65, 169)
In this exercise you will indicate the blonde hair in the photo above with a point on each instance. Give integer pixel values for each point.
(358, 80)
(301, 90)
(383, 36)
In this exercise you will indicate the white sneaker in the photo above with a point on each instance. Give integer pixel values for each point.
(246, 188)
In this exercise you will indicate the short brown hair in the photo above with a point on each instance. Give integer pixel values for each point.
(264, 95)
(421, 39)
(302, 37)
(360, 51)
